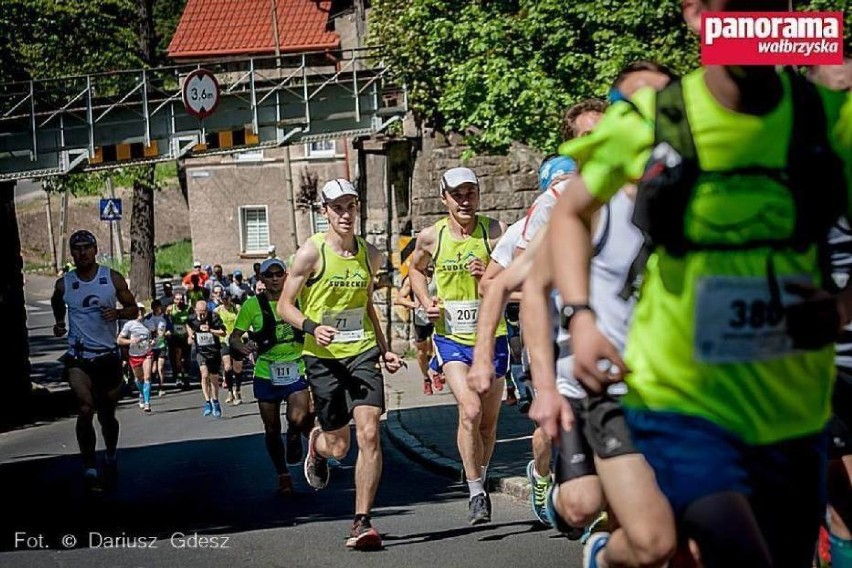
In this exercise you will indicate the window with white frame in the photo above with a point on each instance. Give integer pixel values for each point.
(320, 149)
(254, 227)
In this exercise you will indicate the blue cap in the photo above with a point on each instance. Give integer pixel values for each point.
(552, 168)
(238, 273)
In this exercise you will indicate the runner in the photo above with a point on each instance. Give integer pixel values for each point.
(136, 336)
(232, 359)
(88, 294)
(279, 372)
(332, 275)
(206, 331)
(179, 313)
(728, 369)
(423, 330)
(840, 427)
(158, 324)
(459, 246)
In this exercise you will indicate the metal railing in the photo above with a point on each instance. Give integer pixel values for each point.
(54, 126)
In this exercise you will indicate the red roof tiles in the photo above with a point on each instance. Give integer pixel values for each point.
(213, 28)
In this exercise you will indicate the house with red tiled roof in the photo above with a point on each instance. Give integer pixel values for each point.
(223, 28)
(260, 198)
(243, 204)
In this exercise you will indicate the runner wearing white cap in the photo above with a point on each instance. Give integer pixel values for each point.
(459, 246)
(332, 276)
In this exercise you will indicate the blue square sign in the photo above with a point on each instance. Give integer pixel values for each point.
(111, 209)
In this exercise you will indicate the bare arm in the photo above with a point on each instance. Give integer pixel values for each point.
(550, 410)
(389, 358)
(402, 296)
(490, 314)
(535, 310)
(420, 259)
(300, 271)
(57, 304)
(570, 250)
(129, 310)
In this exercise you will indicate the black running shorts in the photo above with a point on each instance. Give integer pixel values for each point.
(599, 429)
(423, 332)
(213, 364)
(339, 385)
(104, 371)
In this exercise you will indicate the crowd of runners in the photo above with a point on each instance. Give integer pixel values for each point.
(666, 311)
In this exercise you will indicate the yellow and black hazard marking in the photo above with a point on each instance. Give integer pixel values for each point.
(124, 152)
(231, 138)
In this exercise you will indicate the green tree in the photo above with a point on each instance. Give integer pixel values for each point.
(508, 67)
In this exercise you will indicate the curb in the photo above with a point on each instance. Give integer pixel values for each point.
(413, 448)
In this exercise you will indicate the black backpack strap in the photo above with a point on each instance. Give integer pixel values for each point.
(599, 246)
(265, 338)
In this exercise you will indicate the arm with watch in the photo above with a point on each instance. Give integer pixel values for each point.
(570, 245)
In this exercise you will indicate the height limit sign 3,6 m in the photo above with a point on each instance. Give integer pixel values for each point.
(200, 93)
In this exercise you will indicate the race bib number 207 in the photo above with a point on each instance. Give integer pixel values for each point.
(736, 321)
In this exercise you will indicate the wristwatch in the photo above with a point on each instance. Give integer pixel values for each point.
(570, 310)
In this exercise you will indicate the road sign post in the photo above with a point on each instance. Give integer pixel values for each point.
(110, 211)
(200, 93)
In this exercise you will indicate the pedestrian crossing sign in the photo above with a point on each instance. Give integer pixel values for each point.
(111, 209)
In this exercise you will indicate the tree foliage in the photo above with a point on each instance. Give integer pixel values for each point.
(509, 67)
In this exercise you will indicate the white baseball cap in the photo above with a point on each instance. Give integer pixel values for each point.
(337, 188)
(196, 264)
(454, 177)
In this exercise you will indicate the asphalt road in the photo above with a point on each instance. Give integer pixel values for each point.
(197, 491)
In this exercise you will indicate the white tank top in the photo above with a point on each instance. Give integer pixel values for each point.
(88, 334)
(618, 242)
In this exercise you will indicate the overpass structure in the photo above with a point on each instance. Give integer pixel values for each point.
(52, 127)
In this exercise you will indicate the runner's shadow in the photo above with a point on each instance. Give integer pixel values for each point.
(429, 537)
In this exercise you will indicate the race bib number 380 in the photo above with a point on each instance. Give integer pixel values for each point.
(736, 321)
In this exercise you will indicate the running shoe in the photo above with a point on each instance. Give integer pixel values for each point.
(480, 509)
(427, 386)
(363, 536)
(592, 547)
(92, 481)
(538, 494)
(147, 407)
(208, 408)
(316, 466)
(141, 402)
(511, 399)
(438, 382)
(238, 399)
(230, 399)
(294, 447)
(217, 409)
(570, 532)
(162, 392)
(285, 485)
(601, 521)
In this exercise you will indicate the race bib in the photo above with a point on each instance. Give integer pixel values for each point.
(284, 373)
(735, 321)
(139, 349)
(180, 329)
(204, 339)
(349, 324)
(460, 316)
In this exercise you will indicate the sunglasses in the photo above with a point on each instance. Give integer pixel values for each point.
(275, 274)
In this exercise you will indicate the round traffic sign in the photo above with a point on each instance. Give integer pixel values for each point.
(200, 93)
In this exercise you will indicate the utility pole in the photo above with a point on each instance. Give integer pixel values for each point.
(274, 5)
(51, 237)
